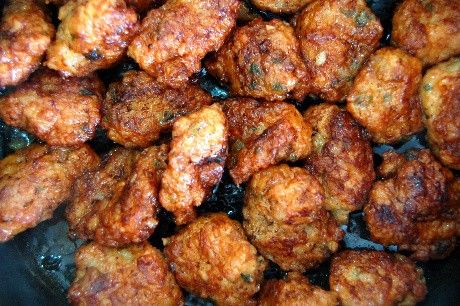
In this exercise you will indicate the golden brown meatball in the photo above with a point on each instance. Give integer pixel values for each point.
(261, 60)
(93, 34)
(295, 290)
(384, 97)
(376, 278)
(134, 275)
(440, 95)
(138, 109)
(25, 34)
(262, 134)
(342, 159)
(174, 38)
(285, 219)
(281, 6)
(428, 29)
(60, 111)
(195, 162)
(212, 259)
(336, 38)
(117, 203)
(410, 208)
(34, 181)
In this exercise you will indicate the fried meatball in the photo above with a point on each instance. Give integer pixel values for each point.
(262, 134)
(195, 162)
(60, 111)
(376, 278)
(34, 181)
(428, 29)
(25, 34)
(440, 96)
(212, 259)
(93, 35)
(117, 203)
(336, 38)
(295, 290)
(384, 97)
(175, 37)
(341, 159)
(410, 208)
(281, 6)
(138, 109)
(285, 219)
(134, 275)
(261, 60)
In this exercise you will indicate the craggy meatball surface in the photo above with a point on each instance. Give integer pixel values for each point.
(134, 275)
(295, 290)
(428, 29)
(61, 111)
(175, 37)
(376, 278)
(25, 34)
(440, 95)
(117, 203)
(336, 38)
(410, 208)
(138, 109)
(281, 6)
(384, 97)
(212, 259)
(34, 181)
(285, 220)
(262, 134)
(92, 35)
(341, 159)
(195, 162)
(261, 60)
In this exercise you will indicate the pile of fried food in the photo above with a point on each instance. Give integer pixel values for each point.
(303, 173)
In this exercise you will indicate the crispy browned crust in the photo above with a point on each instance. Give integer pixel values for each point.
(261, 60)
(429, 30)
(175, 37)
(25, 34)
(34, 181)
(138, 109)
(384, 97)
(281, 6)
(295, 290)
(409, 208)
(262, 134)
(440, 96)
(60, 111)
(336, 38)
(117, 204)
(196, 161)
(134, 275)
(212, 259)
(92, 35)
(376, 278)
(341, 159)
(285, 219)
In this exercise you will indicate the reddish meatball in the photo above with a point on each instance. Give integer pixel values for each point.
(34, 181)
(336, 38)
(134, 275)
(262, 134)
(261, 60)
(174, 38)
(117, 203)
(25, 34)
(410, 208)
(281, 6)
(341, 159)
(138, 109)
(376, 278)
(211, 258)
(61, 111)
(285, 219)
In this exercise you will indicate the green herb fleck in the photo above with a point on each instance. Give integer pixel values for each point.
(238, 145)
(363, 100)
(278, 87)
(86, 92)
(258, 129)
(247, 277)
(293, 157)
(167, 117)
(253, 85)
(277, 60)
(158, 164)
(348, 13)
(254, 69)
(387, 97)
(362, 19)
(427, 87)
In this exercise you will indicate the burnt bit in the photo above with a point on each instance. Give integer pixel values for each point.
(94, 55)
